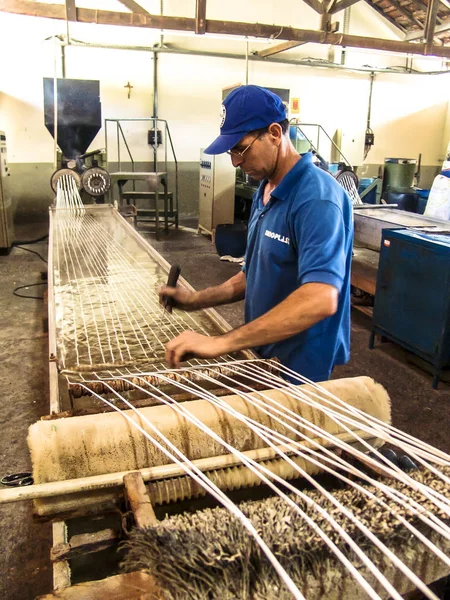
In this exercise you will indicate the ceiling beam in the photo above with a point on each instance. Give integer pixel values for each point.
(260, 30)
(424, 8)
(278, 48)
(341, 5)
(71, 10)
(431, 24)
(133, 6)
(418, 34)
(392, 21)
(316, 5)
(406, 13)
(330, 6)
(200, 16)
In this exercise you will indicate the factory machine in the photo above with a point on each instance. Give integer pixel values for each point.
(216, 189)
(369, 223)
(221, 479)
(6, 212)
(225, 479)
(404, 286)
(77, 112)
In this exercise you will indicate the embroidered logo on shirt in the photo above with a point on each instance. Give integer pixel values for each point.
(277, 236)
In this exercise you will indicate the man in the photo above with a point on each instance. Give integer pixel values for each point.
(296, 278)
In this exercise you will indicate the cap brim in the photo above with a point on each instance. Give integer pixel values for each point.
(224, 143)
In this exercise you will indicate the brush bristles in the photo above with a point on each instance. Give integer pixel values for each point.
(208, 554)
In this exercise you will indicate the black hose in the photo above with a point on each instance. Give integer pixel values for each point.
(26, 242)
(21, 287)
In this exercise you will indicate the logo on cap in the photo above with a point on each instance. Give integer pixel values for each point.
(223, 115)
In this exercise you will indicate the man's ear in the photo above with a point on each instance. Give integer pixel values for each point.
(275, 132)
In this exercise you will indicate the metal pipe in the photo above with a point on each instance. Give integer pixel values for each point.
(159, 472)
(300, 125)
(369, 109)
(63, 60)
(55, 107)
(118, 147)
(55, 404)
(345, 29)
(155, 111)
(161, 10)
(300, 63)
(246, 63)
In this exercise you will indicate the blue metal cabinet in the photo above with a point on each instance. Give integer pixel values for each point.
(412, 301)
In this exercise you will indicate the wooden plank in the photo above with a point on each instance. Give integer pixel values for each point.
(392, 21)
(364, 269)
(142, 403)
(417, 34)
(330, 6)
(71, 11)
(259, 30)
(342, 5)
(101, 17)
(430, 24)
(315, 5)
(85, 543)
(278, 48)
(45, 312)
(139, 500)
(133, 6)
(406, 13)
(61, 570)
(367, 310)
(423, 7)
(129, 586)
(325, 22)
(200, 16)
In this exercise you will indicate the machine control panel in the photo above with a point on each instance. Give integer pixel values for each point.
(216, 201)
(206, 177)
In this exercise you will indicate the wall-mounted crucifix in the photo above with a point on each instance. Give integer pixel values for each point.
(129, 86)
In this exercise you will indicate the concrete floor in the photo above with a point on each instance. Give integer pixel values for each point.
(25, 570)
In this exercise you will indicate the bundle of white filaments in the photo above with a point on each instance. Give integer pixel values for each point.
(108, 312)
(76, 231)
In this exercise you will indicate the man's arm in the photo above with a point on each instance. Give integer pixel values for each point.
(302, 309)
(231, 290)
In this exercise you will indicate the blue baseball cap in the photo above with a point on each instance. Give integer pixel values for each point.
(247, 108)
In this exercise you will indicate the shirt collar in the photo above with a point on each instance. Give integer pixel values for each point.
(284, 188)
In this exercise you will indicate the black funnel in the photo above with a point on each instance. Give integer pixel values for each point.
(79, 115)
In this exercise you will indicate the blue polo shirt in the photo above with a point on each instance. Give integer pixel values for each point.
(304, 234)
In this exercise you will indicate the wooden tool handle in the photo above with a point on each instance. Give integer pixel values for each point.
(172, 279)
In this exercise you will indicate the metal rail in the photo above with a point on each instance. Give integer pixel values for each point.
(319, 129)
(167, 136)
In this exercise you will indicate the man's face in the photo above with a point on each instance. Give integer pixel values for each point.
(256, 155)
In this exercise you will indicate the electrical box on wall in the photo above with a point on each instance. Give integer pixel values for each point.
(151, 137)
(217, 191)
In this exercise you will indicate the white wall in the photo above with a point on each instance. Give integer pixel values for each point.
(409, 112)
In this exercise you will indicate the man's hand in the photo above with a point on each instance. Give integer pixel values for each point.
(181, 298)
(190, 344)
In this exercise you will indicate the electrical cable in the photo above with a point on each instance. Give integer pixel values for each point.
(21, 287)
(32, 251)
(26, 242)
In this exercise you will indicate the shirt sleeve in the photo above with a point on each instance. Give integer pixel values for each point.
(321, 238)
